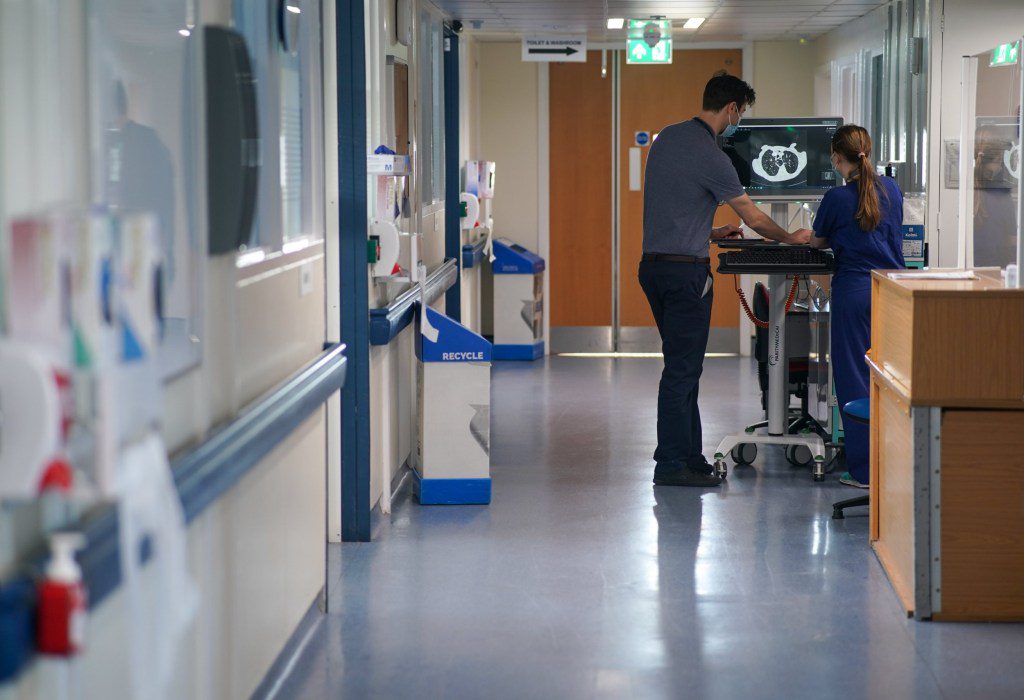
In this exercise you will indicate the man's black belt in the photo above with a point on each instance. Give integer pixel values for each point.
(659, 257)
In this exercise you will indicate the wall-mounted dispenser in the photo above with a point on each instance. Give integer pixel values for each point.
(32, 415)
(289, 19)
(232, 137)
(387, 236)
(389, 205)
(478, 180)
(403, 22)
(470, 214)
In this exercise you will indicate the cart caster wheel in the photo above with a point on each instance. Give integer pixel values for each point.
(744, 453)
(819, 468)
(799, 456)
(721, 470)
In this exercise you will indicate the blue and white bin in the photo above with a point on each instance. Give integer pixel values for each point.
(518, 302)
(453, 461)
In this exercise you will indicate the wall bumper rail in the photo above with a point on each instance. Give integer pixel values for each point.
(388, 321)
(202, 475)
(473, 253)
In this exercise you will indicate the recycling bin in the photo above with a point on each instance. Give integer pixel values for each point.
(518, 302)
(453, 464)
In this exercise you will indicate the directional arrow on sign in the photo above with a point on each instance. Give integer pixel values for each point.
(565, 50)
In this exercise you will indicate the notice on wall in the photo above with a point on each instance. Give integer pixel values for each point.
(566, 48)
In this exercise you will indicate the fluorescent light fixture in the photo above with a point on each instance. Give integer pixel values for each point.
(294, 10)
(184, 32)
(616, 22)
(693, 23)
(296, 246)
(251, 257)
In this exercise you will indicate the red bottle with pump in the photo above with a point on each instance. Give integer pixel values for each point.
(62, 600)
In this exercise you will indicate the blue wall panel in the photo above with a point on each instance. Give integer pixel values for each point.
(452, 229)
(355, 302)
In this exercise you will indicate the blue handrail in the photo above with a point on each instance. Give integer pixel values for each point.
(388, 321)
(202, 475)
(473, 253)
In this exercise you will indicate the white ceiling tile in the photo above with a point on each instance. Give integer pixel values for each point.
(746, 19)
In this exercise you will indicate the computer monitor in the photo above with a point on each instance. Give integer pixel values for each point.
(784, 159)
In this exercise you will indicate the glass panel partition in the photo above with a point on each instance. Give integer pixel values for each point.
(146, 141)
(991, 207)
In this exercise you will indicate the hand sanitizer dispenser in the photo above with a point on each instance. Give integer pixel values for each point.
(30, 419)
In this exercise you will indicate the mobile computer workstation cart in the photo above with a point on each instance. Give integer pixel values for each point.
(779, 161)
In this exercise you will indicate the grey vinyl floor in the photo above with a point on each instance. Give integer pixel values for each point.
(582, 580)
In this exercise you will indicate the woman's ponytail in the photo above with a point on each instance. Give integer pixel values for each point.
(853, 143)
(869, 212)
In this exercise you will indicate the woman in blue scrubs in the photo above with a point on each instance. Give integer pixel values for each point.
(862, 222)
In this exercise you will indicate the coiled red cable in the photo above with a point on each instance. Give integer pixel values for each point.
(746, 307)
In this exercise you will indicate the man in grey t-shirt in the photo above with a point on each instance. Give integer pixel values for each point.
(687, 178)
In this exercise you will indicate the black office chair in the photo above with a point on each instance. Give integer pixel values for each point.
(859, 411)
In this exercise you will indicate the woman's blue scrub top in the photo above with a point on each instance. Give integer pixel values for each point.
(858, 252)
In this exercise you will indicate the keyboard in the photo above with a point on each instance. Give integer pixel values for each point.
(775, 259)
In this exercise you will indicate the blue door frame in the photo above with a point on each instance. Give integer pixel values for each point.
(355, 302)
(452, 175)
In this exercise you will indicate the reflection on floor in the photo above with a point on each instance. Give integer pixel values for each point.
(583, 580)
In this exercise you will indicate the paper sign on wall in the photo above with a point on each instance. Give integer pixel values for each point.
(634, 170)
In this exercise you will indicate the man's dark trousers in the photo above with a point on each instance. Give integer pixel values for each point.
(683, 314)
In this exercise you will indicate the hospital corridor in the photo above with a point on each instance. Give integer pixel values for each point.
(511, 349)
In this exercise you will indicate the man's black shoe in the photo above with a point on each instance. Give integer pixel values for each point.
(684, 476)
(704, 466)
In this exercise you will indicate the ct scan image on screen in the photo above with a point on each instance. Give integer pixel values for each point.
(784, 157)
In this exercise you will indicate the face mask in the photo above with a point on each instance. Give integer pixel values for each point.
(731, 129)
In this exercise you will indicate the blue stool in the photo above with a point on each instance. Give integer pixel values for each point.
(858, 411)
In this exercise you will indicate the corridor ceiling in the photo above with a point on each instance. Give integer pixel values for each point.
(726, 20)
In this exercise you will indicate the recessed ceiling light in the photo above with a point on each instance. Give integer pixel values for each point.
(616, 22)
(693, 23)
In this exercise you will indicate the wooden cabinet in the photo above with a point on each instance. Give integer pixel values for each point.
(950, 343)
(947, 445)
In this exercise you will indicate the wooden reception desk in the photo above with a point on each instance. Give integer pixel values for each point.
(947, 445)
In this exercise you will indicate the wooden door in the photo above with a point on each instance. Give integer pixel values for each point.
(651, 98)
(580, 264)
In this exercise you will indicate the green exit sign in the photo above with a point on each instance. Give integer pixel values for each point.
(1006, 55)
(640, 52)
(649, 41)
